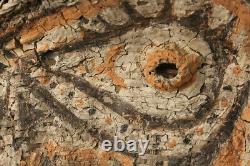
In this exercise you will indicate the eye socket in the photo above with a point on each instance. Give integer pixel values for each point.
(175, 68)
(167, 70)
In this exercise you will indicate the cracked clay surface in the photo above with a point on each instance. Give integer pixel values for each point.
(75, 73)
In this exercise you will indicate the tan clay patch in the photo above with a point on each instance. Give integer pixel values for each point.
(246, 113)
(43, 77)
(224, 103)
(108, 66)
(81, 156)
(108, 120)
(39, 27)
(236, 70)
(78, 103)
(172, 143)
(240, 9)
(230, 155)
(89, 10)
(199, 131)
(79, 70)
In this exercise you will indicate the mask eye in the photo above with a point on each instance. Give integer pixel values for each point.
(174, 72)
(169, 70)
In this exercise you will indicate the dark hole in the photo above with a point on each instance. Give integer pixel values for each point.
(159, 163)
(71, 94)
(157, 138)
(140, 3)
(84, 20)
(48, 59)
(211, 118)
(228, 87)
(5, 1)
(186, 140)
(2, 67)
(53, 85)
(124, 128)
(92, 111)
(167, 70)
